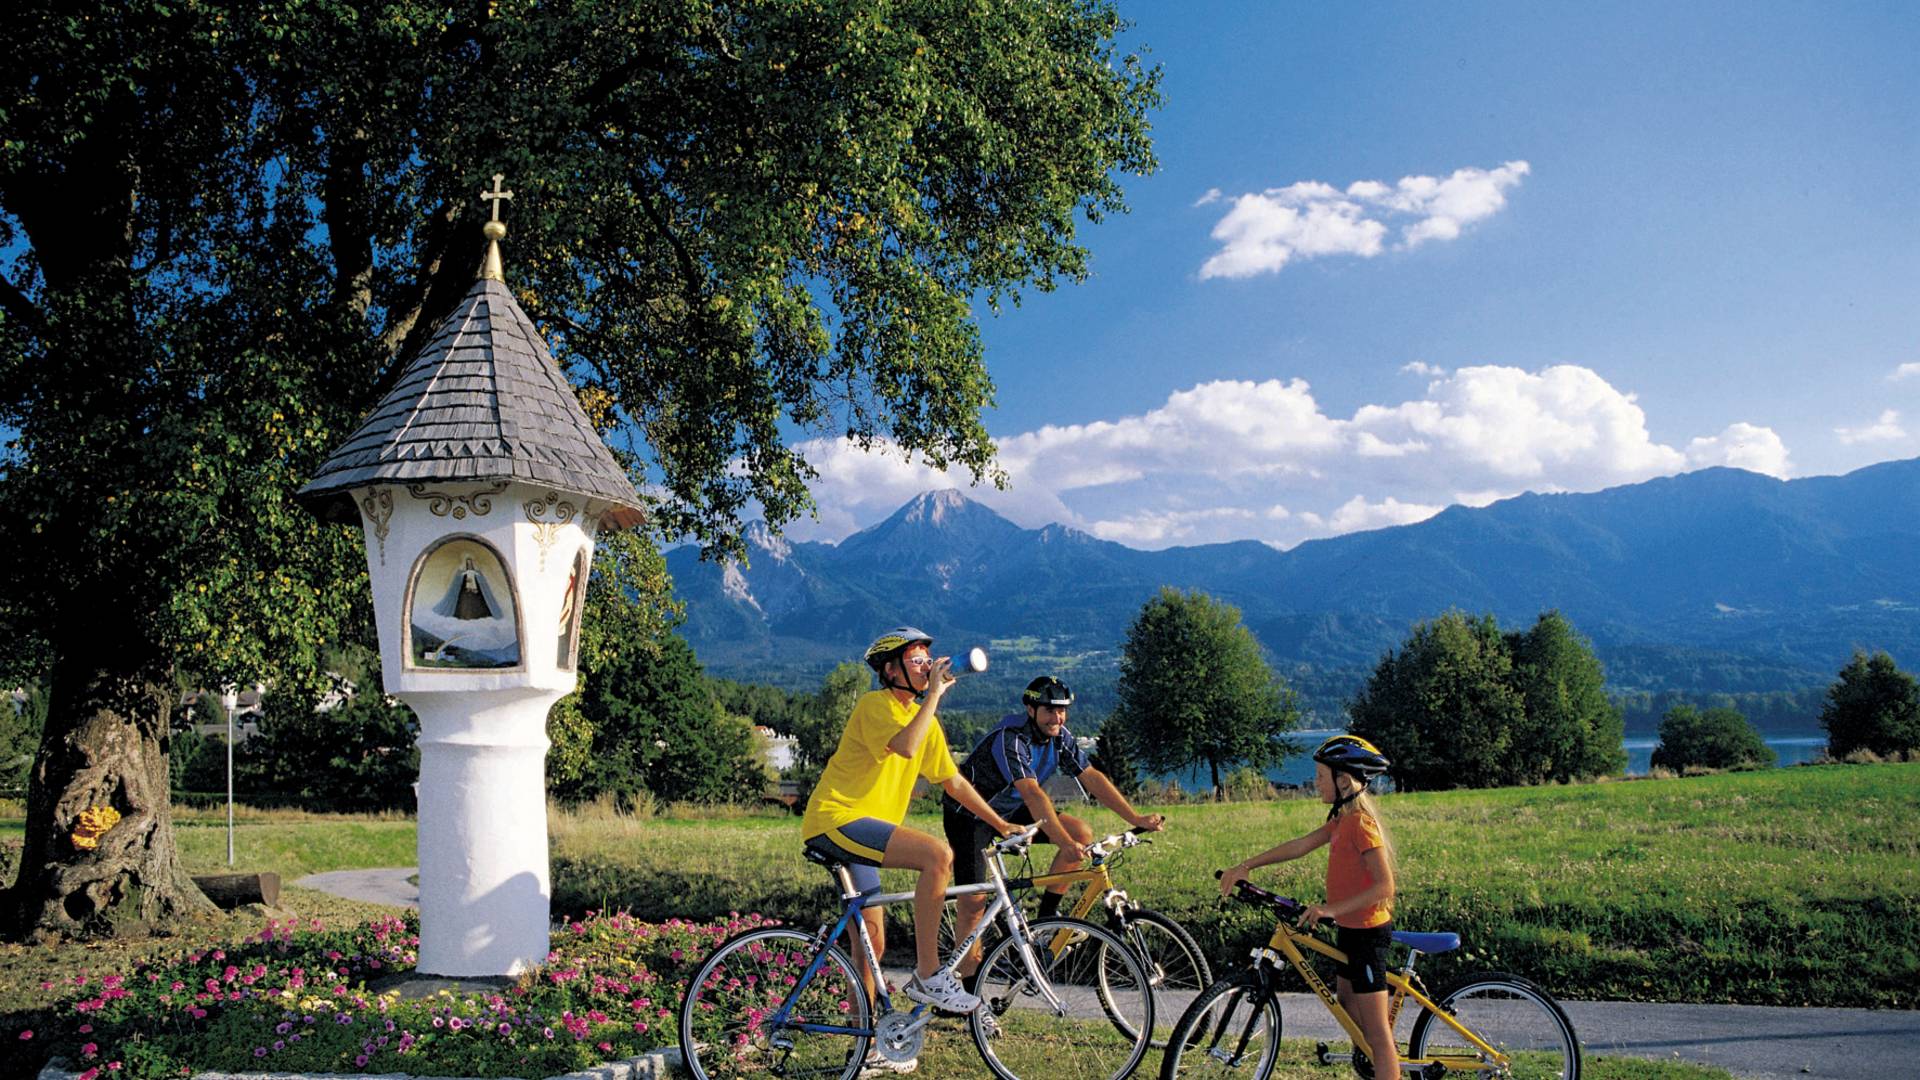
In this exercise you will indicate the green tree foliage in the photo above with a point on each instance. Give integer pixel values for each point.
(657, 728)
(1443, 706)
(1571, 729)
(823, 717)
(769, 706)
(1113, 755)
(359, 755)
(1461, 704)
(1713, 738)
(1195, 690)
(21, 721)
(223, 227)
(1873, 706)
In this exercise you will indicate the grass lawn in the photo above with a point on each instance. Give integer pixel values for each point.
(1783, 887)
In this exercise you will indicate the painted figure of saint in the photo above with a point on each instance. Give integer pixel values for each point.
(471, 625)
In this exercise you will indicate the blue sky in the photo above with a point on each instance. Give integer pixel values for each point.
(1402, 256)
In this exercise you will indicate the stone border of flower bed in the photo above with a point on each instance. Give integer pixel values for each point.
(657, 1065)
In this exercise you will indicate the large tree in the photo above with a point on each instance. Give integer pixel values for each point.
(1872, 706)
(1443, 707)
(224, 225)
(1571, 729)
(1195, 690)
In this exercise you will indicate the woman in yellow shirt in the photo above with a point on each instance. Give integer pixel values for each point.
(855, 811)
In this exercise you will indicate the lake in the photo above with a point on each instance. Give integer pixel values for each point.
(1793, 750)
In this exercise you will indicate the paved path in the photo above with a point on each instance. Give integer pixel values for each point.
(387, 886)
(1758, 1042)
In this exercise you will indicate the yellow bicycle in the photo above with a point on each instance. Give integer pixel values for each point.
(1490, 1024)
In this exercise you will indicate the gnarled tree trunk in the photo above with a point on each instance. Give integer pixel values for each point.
(104, 746)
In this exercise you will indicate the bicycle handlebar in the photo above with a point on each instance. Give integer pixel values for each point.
(1247, 892)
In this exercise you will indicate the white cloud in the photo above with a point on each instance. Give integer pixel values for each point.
(1163, 529)
(1263, 231)
(1563, 424)
(1421, 367)
(1240, 460)
(1905, 371)
(1742, 446)
(1357, 514)
(1885, 429)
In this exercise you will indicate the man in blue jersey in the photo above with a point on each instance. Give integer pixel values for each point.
(1008, 769)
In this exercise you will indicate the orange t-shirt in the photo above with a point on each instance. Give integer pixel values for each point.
(1354, 835)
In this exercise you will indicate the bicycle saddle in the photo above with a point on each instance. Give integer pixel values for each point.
(815, 855)
(1427, 943)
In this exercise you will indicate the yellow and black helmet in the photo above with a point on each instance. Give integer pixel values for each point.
(889, 645)
(1353, 754)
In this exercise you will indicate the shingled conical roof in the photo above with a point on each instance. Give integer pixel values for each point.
(483, 400)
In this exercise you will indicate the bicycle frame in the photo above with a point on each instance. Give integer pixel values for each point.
(1285, 945)
(1002, 906)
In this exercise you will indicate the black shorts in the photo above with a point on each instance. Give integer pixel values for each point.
(1366, 966)
(968, 836)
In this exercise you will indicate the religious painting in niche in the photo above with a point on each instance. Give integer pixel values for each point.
(462, 607)
(570, 605)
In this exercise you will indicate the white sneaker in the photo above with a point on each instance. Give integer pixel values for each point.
(941, 990)
(989, 1027)
(875, 1065)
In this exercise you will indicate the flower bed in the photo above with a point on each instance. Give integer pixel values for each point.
(297, 998)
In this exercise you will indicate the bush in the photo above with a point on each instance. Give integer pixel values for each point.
(1718, 738)
(358, 756)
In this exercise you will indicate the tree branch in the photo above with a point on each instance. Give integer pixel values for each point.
(21, 309)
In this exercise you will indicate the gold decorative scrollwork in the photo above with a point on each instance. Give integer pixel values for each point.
(443, 503)
(545, 532)
(379, 509)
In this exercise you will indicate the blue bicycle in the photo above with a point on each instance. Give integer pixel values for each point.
(1061, 998)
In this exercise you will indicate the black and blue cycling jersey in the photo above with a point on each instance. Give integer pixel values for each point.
(1011, 752)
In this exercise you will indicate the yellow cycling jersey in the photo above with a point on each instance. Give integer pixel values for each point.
(864, 779)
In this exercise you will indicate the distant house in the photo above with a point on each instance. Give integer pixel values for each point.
(776, 750)
(197, 707)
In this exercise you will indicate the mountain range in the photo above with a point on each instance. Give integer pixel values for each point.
(1719, 580)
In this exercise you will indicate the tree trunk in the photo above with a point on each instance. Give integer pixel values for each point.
(1219, 793)
(105, 745)
(231, 890)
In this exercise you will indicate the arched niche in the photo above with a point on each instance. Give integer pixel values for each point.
(462, 611)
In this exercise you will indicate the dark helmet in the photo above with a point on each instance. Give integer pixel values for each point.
(892, 643)
(1047, 690)
(1352, 754)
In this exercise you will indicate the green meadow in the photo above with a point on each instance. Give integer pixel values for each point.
(1781, 887)
(1778, 887)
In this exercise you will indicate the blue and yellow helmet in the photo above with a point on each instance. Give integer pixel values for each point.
(889, 645)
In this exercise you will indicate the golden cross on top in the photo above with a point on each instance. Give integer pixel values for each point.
(496, 194)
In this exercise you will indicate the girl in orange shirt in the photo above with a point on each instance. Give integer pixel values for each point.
(1359, 885)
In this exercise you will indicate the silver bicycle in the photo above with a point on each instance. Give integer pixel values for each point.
(1060, 998)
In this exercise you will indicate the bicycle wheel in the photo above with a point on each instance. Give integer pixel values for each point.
(1098, 982)
(1231, 1029)
(1176, 969)
(1511, 1015)
(724, 1019)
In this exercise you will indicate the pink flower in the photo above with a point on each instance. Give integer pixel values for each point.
(89, 1049)
(25, 1035)
(86, 1029)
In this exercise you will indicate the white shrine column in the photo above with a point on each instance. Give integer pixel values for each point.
(484, 889)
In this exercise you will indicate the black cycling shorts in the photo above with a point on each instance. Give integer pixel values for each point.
(969, 837)
(1366, 949)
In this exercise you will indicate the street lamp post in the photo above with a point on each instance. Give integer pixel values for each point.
(229, 701)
